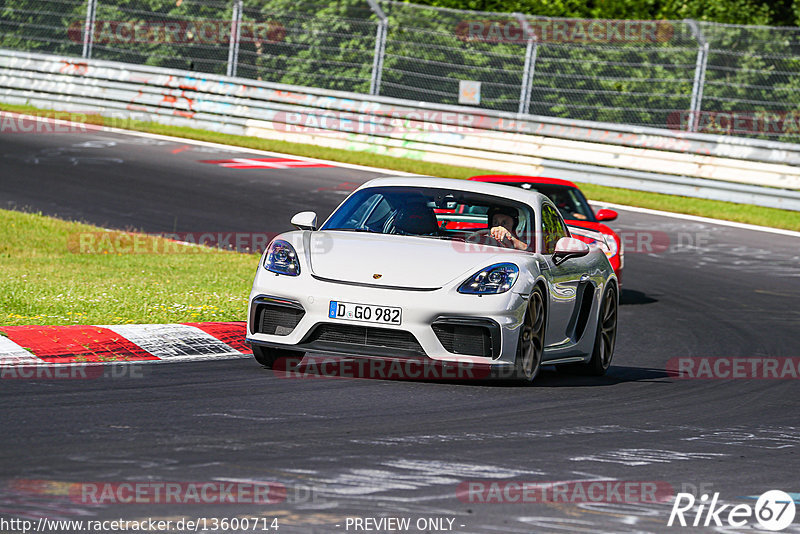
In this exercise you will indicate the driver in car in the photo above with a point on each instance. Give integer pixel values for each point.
(502, 222)
(564, 205)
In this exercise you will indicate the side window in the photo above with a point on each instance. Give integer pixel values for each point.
(553, 229)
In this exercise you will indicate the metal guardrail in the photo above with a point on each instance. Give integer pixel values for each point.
(733, 169)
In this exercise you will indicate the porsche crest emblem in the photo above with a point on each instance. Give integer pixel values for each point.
(376, 276)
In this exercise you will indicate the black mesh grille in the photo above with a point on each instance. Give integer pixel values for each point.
(277, 320)
(366, 336)
(586, 308)
(464, 339)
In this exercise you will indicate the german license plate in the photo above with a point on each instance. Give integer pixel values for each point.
(368, 313)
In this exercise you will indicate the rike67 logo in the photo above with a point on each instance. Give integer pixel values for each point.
(774, 511)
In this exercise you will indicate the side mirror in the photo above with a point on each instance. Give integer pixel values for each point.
(569, 247)
(305, 220)
(606, 215)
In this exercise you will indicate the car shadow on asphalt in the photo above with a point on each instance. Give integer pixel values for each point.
(432, 372)
(549, 377)
(616, 374)
(629, 297)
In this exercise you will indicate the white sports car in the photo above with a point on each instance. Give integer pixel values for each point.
(438, 270)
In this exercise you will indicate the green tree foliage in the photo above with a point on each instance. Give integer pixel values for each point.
(182, 34)
(47, 26)
(767, 12)
(329, 45)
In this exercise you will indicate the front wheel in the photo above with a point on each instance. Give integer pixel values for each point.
(267, 356)
(531, 339)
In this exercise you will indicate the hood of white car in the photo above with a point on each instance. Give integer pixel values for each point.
(399, 261)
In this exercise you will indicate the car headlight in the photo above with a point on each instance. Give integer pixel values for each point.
(611, 248)
(282, 258)
(497, 278)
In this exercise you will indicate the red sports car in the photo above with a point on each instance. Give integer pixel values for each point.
(576, 211)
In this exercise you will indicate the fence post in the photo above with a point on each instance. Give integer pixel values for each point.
(236, 35)
(88, 30)
(696, 103)
(380, 48)
(531, 51)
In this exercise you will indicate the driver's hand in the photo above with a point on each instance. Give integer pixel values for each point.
(499, 233)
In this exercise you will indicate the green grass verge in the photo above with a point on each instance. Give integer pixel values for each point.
(47, 279)
(744, 213)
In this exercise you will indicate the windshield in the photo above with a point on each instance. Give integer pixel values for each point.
(569, 200)
(430, 212)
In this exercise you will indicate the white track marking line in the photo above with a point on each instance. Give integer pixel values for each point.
(13, 354)
(176, 342)
(278, 163)
(696, 218)
(233, 148)
(709, 220)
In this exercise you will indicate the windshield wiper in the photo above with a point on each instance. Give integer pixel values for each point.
(369, 231)
(360, 229)
(443, 237)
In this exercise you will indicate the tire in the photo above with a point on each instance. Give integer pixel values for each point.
(604, 339)
(530, 345)
(267, 356)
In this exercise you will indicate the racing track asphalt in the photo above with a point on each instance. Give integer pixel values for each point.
(376, 447)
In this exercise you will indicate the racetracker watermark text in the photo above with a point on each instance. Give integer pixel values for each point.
(734, 368)
(199, 31)
(518, 492)
(55, 122)
(583, 31)
(72, 371)
(111, 242)
(741, 122)
(120, 242)
(117, 242)
(177, 493)
(321, 367)
(222, 491)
